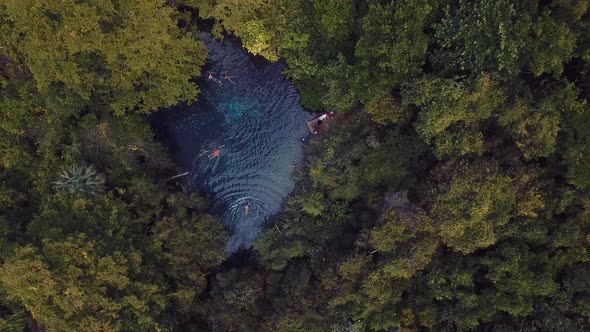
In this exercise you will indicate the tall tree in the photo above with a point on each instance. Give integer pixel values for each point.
(129, 55)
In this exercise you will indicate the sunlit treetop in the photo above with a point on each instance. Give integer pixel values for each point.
(128, 54)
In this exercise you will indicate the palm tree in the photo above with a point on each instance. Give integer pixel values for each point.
(79, 179)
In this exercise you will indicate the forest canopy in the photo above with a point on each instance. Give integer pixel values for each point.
(453, 197)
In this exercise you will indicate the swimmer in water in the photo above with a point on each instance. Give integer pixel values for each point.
(211, 77)
(225, 76)
(247, 207)
(215, 154)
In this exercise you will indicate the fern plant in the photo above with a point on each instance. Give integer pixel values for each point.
(79, 179)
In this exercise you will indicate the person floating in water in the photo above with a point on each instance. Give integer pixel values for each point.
(215, 154)
(225, 76)
(247, 207)
(211, 77)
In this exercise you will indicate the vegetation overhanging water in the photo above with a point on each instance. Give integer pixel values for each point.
(456, 197)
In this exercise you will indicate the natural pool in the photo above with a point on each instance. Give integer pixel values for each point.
(254, 121)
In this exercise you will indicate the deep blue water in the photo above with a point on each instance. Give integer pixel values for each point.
(256, 122)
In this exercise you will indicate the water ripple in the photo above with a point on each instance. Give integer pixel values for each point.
(256, 122)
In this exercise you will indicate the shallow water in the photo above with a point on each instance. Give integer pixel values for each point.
(254, 118)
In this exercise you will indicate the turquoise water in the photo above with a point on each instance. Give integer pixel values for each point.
(255, 121)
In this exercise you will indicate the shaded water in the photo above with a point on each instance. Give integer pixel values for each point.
(254, 118)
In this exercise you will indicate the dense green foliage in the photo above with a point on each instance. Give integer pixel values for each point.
(462, 204)
(92, 236)
(454, 196)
